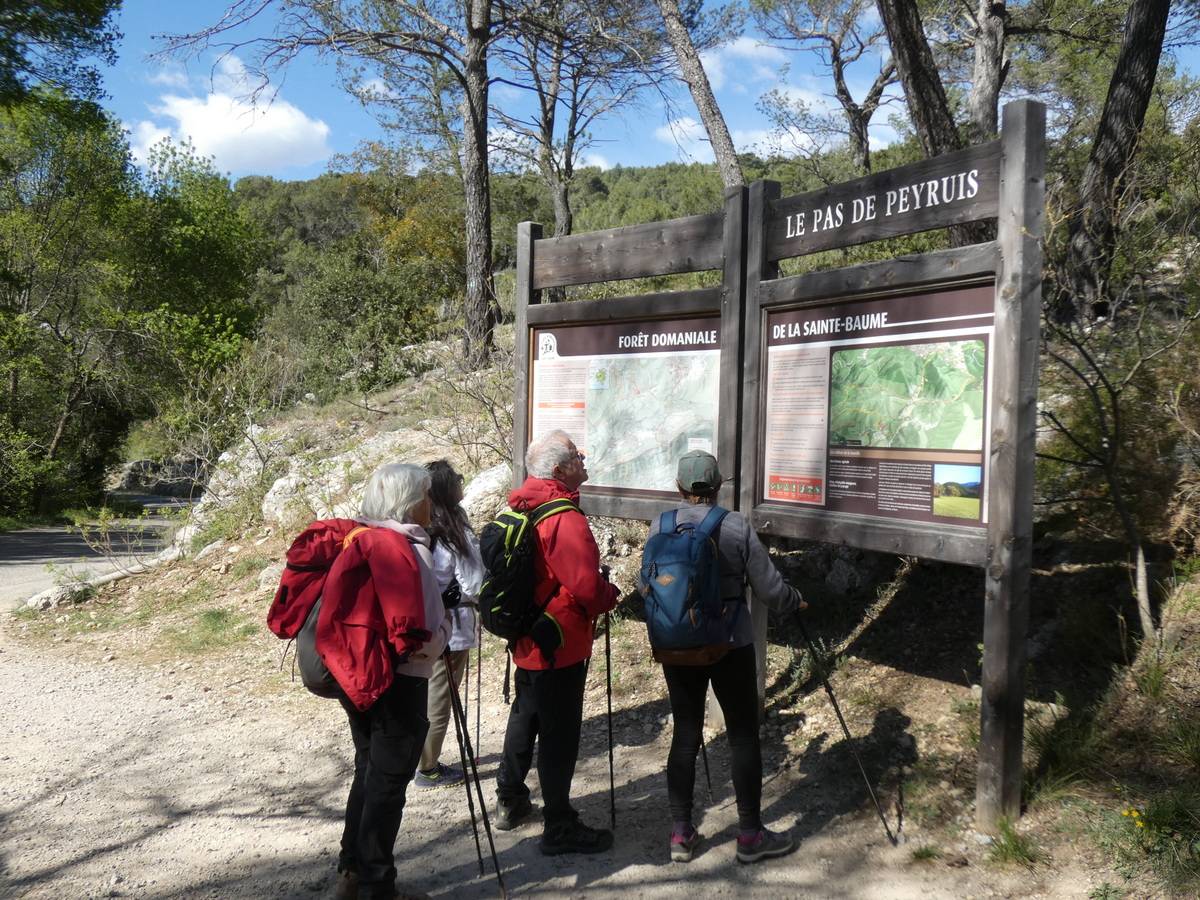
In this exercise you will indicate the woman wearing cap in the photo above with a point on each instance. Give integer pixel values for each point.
(742, 558)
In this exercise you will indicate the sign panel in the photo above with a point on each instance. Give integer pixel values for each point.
(879, 407)
(635, 396)
(946, 190)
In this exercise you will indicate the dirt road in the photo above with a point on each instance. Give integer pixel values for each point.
(119, 780)
(32, 559)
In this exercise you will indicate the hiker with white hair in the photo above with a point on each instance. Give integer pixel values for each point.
(386, 630)
(551, 660)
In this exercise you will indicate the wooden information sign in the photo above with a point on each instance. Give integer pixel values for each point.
(888, 406)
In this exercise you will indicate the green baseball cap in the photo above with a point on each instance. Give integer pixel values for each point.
(698, 471)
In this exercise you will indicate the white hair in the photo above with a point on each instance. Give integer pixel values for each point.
(550, 450)
(393, 490)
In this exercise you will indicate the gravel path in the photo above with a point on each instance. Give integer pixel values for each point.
(119, 780)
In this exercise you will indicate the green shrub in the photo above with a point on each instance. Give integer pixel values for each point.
(1011, 847)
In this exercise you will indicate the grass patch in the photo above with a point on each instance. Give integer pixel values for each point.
(926, 853)
(248, 565)
(1106, 891)
(1160, 838)
(1181, 743)
(1013, 848)
(212, 629)
(967, 713)
(1151, 678)
(1066, 748)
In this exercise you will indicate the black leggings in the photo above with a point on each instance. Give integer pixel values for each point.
(734, 680)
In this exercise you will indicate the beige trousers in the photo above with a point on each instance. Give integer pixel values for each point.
(439, 707)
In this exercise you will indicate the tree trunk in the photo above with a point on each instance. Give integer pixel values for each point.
(479, 309)
(702, 94)
(1092, 233)
(923, 90)
(926, 97)
(860, 140)
(990, 69)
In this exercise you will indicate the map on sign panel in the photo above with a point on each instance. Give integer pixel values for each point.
(645, 411)
(913, 396)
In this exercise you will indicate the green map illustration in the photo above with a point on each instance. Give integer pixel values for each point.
(644, 412)
(916, 396)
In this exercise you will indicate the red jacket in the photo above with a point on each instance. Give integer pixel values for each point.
(568, 573)
(372, 611)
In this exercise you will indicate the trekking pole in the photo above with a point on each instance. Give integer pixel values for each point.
(462, 754)
(812, 648)
(467, 694)
(612, 789)
(704, 754)
(469, 756)
(478, 680)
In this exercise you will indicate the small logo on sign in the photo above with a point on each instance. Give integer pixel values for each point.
(547, 346)
(665, 579)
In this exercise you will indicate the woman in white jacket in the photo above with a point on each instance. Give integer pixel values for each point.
(459, 572)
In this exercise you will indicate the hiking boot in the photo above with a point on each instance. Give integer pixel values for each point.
(510, 815)
(347, 886)
(441, 776)
(683, 846)
(575, 837)
(764, 845)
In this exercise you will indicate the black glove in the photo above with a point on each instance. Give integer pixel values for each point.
(547, 635)
(452, 595)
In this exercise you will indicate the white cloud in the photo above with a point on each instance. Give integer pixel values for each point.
(747, 47)
(713, 62)
(594, 160)
(241, 134)
(172, 75)
(742, 60)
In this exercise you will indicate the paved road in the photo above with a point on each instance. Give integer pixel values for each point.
(32, 559)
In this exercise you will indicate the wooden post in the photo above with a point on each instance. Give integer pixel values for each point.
(758, 269)
(733, 304)
(524, 296)
(1011, 461)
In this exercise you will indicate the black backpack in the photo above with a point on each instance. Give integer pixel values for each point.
(507, 546)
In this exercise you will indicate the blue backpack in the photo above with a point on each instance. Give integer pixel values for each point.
(689, 624)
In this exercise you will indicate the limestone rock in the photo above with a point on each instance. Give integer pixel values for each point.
(268, 578)
(487, 494)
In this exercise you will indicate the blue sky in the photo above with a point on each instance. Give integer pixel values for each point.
(310, 118)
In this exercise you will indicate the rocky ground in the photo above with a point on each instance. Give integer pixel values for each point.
(130, 769)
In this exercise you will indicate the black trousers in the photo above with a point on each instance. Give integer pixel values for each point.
(388, 739)
(548, 707)
(734, 680)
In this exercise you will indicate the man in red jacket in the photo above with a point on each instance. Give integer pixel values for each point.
(551, 660)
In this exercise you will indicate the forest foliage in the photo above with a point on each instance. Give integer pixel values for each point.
(162, 309)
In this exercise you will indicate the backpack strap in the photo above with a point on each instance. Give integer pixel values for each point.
(551, 508)
(666, 522)
(711, 522)
(354, 532)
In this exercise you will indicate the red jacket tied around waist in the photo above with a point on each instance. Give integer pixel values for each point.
(372, 613)
(567, 568)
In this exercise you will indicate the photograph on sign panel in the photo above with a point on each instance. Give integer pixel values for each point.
(957, 491)
(635, 396)
(911, 396)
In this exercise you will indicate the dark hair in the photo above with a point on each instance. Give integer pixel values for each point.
(448, 522)
(707, 497)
